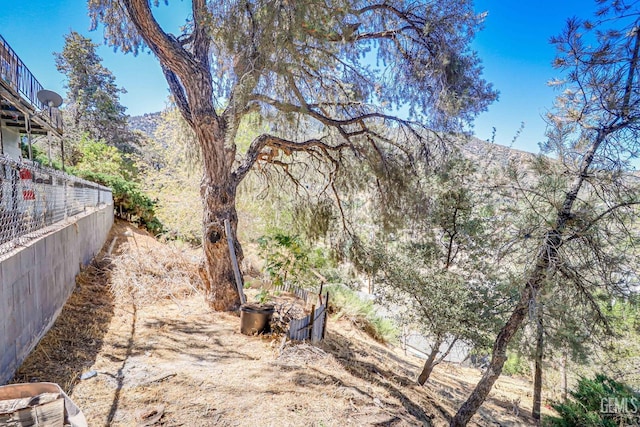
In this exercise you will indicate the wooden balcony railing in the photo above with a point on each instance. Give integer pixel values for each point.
(17, 77)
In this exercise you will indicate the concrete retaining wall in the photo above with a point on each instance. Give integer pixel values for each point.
(37, 279)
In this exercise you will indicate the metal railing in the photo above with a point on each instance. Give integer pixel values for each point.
(34, 197)
(17, 76)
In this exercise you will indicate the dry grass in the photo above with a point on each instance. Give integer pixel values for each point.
(77, 336)
(148, 271)
(163, 358)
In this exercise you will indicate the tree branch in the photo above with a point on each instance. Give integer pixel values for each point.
(178, 94)
(446, 352)
(581, 232)
(169, 50)
(578, 282)
(201, 39)
(338, 124)
(256, 150)
(632, 69)
(175, 57)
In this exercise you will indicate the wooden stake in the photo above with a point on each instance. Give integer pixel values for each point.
(234, 260)
(326, 314)
(311, 321)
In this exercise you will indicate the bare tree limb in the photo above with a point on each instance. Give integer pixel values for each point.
(265, 140)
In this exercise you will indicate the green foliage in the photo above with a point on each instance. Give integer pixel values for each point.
(622, 348)
(440, 303)
(103, 164)
(98, 157)
(346, 303)
(381, 329)
(39, 156)
(304, 68)
(308, 40)
(598, 402)
(130, 202)
(515, 365)
(106, 165)
(289, 259)
(170, 172)
(263, 296)
(95, 124)
(432, 261)
(92, 104)
(314, 217)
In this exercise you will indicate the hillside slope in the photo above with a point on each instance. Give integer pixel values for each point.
(474, 148)
(147, 123)
(161, 357)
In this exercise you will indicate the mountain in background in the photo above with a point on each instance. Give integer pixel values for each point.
(147, 123)
(489, 154)
(474, 147)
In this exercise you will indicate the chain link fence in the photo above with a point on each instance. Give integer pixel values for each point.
(34, 197)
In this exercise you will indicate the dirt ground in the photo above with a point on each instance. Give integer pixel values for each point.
(156, 355)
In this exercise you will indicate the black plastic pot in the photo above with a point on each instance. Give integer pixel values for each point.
(254, 319)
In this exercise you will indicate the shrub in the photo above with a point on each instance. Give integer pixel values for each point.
(346, 303)
(104, 165)
(601, 402)
(289, 259)
(130, 202)
(515, 365)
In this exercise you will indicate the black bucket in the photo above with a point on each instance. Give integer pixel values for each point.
(254, 319)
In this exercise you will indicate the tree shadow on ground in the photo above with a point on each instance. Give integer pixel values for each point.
(193, 338)
(120, 375)
(396, 385)
(76, 337)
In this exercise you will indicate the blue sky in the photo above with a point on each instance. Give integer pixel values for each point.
(514, 46)
(515, 50)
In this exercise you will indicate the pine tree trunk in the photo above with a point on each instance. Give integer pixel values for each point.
(499, 356)
(188, 74)
(429, 363)
(547, 254)
(537, 381)
(563, 375)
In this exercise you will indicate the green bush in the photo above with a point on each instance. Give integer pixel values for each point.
(289, 259)
(598, 402)
(382, 329)
(346, 303)
(515, 365)
(39, 156)
(104, 165)
(286, 258)
(130, 202)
